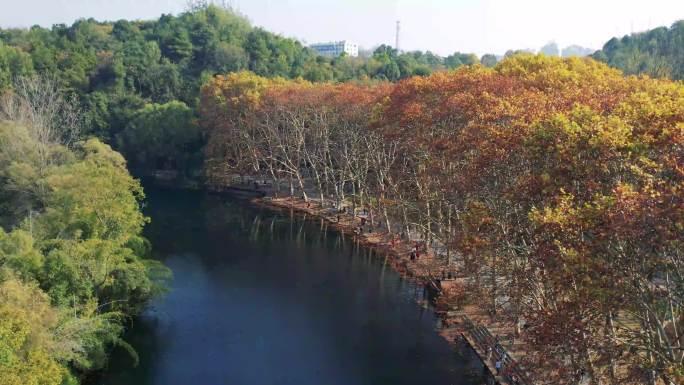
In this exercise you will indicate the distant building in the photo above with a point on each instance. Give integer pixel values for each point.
(336, 48)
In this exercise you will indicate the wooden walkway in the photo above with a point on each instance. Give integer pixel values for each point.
(490, 351)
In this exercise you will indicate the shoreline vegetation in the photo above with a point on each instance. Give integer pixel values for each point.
(73, 261)
(550, 188)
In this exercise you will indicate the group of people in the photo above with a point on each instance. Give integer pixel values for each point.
(499, 364)
(416, 250)
(359, 230)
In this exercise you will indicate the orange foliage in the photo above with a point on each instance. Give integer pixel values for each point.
(559, 182)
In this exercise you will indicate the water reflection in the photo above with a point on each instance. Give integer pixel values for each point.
(273, 298)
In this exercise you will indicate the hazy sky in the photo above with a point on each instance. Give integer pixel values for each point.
(442, 26)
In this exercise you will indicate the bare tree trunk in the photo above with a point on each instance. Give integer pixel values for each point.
(353, 199)
(291, 187)
(301, 186)
(448, 237)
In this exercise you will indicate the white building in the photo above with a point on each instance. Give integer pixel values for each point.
(336, 48)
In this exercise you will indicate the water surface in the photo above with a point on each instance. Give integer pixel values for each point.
(262, 298)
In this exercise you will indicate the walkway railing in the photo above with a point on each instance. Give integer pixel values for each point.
(510, 369)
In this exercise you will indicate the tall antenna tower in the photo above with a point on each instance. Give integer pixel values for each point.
(396, 42)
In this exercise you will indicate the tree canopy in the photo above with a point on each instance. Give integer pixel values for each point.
(657, 53)
(73, 262)
(554, 185)
(120, 71)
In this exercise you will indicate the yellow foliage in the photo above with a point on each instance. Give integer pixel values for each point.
(26, 343)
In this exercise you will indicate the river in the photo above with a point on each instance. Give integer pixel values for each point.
(262, 297)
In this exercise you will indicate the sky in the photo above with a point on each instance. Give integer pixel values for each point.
(441, 26)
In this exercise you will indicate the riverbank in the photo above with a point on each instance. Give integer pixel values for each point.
(468, 323)
(264, 296)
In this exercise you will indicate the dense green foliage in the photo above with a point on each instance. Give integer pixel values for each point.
(162, 136)
(170, 57)
(72, 265)
(118, 69)
(657, 53)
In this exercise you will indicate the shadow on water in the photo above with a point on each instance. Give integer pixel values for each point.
(263, 297)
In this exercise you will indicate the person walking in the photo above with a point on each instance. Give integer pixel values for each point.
(497, 365)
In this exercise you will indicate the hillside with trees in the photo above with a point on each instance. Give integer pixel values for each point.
(127, 74)
(132, 78)
(73, 266)
(657, 53)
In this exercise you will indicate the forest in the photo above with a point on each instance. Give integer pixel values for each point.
(135, 76)
(132, 78)
(555, 185)
(73, 266)
(73, 263)
(657, 53)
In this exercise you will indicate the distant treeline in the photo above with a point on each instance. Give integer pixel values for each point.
(116, 68)
(657, 53)
(138, 81)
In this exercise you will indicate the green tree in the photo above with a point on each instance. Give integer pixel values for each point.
(27, 323)
(179, 46)
(230, 58)
(258, 52)
(460, 59)
(13, 62)
(658, 52)
(162, 137)
(389, 71)
(489, 60)
(385, 53)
